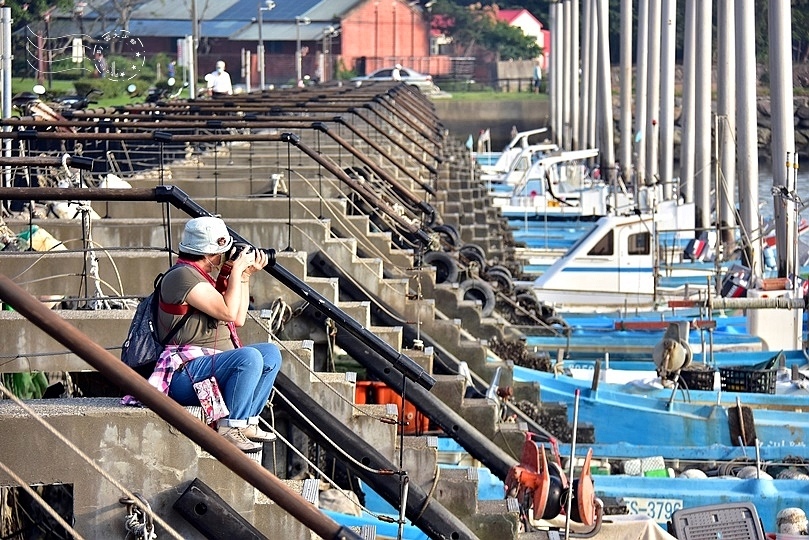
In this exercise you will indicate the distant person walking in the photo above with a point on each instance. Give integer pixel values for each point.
(396, 74)
(100, 65)
(536, 77)
(219, 83)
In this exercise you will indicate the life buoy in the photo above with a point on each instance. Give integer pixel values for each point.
(476, 289)
(446, 267)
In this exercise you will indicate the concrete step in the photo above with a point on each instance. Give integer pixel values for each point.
(132, 444)
(496, 519)
(60, 273)
(420, 460)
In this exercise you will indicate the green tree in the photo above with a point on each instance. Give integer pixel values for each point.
(476, 26)
(24, 13)
(800, 23)
(510, 43)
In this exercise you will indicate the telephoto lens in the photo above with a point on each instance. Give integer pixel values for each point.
(237, 248)
(270, 256)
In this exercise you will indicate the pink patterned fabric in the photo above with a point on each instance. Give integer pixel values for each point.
(171, 359)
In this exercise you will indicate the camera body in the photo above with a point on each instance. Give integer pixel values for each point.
(237, 248)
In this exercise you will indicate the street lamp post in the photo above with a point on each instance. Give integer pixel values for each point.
(394, 32)
(376, 35)
(269, 4)
(328, 35)
(298, 68)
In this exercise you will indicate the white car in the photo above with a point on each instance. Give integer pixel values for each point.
(419, 80)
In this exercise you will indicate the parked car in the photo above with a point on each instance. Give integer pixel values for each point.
(409, 76)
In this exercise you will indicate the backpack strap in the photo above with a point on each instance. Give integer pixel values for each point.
(173, 309)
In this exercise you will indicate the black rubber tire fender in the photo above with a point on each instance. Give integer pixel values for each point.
(449, 234)
(501, 280)
(500, 269)
(446, 267)
(477, 289)
(474, 253)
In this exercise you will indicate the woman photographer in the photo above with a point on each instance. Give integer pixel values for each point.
(206, 344)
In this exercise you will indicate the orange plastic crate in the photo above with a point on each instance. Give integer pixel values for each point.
(377, 392)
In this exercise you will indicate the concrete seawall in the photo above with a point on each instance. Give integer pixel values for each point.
(464, 118)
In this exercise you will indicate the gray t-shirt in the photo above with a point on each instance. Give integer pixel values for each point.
(199, 329)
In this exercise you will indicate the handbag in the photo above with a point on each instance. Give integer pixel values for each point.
(210, 398)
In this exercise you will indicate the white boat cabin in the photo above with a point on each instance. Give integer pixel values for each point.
(512, 164)
(522, 140)
(615, 264)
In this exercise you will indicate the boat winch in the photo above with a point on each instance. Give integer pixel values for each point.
(543, 491)
(672, 353)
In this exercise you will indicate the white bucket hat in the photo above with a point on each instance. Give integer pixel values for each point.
(205, 236)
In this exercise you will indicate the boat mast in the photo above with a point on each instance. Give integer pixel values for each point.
(575, 63)
(567, 73)
(588, 39)
(626, 91)
(641, 73)
(783, 133)
(667, 86)
(702, 115)
(652, 130)
(554, 73)
(725, 110)
(607, 138)
(747, 136)
(687, 116)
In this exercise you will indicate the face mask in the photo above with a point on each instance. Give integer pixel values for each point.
(219, 70)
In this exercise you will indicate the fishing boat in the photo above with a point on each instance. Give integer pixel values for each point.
(558, 186)
(505, 159)
(655, 481)
(616, 264)
(669, 418)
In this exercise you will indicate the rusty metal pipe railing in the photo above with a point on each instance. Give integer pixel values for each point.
(413, 108)
(98, 194)
(181, 200)
(322, 126)
(414, 231)
(173, 122)
(403, 192)
(125, 125)
(220, 114)
(423, 128)
(172, 412)
(407, 196)
(394, 140)
(357, 111)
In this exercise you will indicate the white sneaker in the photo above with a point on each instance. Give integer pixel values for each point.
(237, 437)
(255, 433)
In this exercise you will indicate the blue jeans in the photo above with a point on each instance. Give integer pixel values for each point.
(245, 377)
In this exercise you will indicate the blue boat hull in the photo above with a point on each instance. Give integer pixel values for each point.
(646, 419)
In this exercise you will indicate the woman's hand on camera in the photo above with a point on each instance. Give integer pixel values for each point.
(259, 262)
(244, 261)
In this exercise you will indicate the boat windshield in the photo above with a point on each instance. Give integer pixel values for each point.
(582, 239)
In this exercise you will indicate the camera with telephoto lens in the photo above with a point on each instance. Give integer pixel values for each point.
(237, 248)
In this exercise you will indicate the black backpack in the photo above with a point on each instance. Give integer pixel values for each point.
(142, 346)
